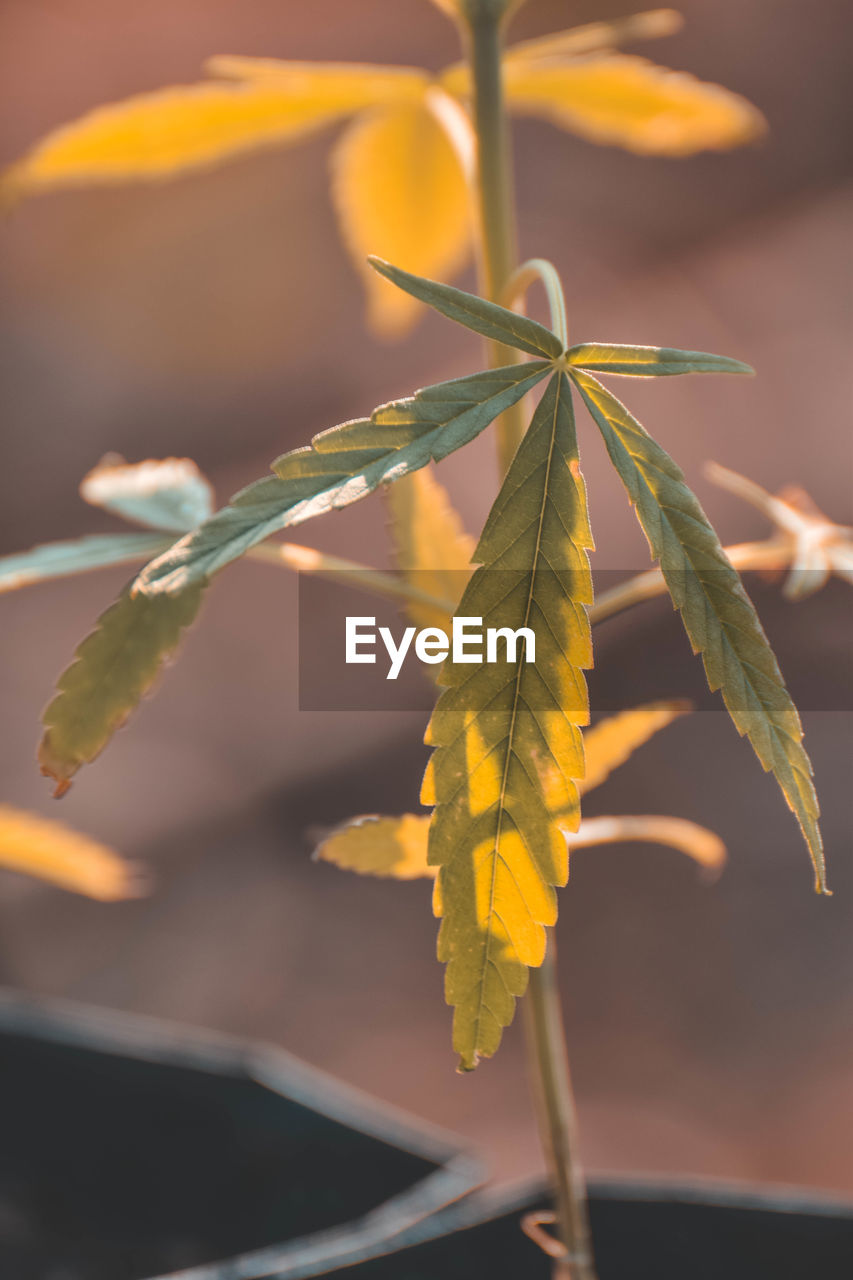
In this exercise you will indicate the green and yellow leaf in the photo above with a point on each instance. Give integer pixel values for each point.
(430, 545)
(400, 191)
(649, 362)
(81, 555)
(508, 752)
(170, 131)
(718, 616)
(341, 466)
(52, 852)
(163, 493)
(613, 741)
(625, 101)
(112, 669)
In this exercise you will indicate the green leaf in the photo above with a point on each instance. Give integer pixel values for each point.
(717, 613)
(508, 751)
(112, 669)
(61, 559)
(342, 465)
(648, 362)
(163, 493)
(486, 318)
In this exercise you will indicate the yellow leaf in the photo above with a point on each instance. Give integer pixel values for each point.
(375, 846)
(697, 842)
(156, 135)
(629, 102)
(614, 740)
(592, 37)
(401, 193)
(430, 545)
(53, 852)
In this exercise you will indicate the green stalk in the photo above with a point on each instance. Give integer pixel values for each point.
(484, 21)
(495, 190)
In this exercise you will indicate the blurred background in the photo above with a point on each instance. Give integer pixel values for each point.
(217, 317)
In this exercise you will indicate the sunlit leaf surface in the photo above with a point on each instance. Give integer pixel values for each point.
(163, 493)
(430, 545)
(53, 852)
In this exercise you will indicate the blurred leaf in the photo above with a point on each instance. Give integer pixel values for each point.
(400, 190)
(486, 318)
(157, 135)
(375, 846)
(167, 493)
(61, 559)
(649, 362)
(430, 545)
(112, 669)
(53, 852)
(341, 466)
(593, 37)
(614, 740)
(717, 613)
(508, 752)
(629, 102)
(700, 844)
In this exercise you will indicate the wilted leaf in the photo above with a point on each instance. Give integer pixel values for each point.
(717, 613)
(486, 318)
(649, 362)
(112, 669)
(430, 545)
(400, 190)
(375, 846)
(629, 102)
(156, 135)
(53, 852)
(167, 493)
(341, 466)
(615, 739)
(700, 844)
(61, 559)
(508, 752)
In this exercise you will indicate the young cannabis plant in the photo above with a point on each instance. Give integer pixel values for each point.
(508, 760)
(403, 166)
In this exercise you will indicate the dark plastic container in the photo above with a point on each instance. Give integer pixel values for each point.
(643, 1231)
(129, 1150)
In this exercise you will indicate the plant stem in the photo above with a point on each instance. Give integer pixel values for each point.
(495, 196)
(546, 1041)
(558, 1120)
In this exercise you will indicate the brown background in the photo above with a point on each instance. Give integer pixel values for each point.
(711, 1028)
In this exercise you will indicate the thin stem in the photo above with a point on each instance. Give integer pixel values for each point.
(546, 1041)
(546, 273)
(495, 198)
(558, 1120)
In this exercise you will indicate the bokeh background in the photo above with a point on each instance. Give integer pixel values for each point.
(711, 1027)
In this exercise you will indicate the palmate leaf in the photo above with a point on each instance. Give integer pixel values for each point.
(508, 753)
(717, 613)
(341, 466)
(431, 548)
(52, 852)
(111, 670)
